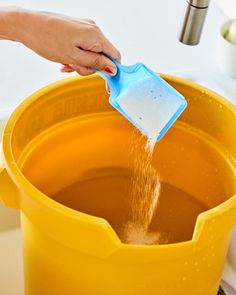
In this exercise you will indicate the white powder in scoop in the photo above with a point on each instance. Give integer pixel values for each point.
(150, 105)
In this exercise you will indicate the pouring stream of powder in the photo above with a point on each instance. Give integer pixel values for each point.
(144, 193)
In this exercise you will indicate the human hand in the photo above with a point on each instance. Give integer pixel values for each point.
(77, 44)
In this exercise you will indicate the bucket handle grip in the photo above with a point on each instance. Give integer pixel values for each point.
(8, 190)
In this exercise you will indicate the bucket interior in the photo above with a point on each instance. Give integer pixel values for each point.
(82, 161)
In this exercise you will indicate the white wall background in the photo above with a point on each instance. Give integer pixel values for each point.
(228, 7)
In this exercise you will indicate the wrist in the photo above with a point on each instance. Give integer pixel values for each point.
(10, 23)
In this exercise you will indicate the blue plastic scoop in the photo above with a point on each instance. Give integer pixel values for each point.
(145, 99)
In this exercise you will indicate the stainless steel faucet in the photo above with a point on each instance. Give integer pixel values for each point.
(193, 21)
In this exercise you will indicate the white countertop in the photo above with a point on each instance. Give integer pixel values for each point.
(11, 264)
(143, 31)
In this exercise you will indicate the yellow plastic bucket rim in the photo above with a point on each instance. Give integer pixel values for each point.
(24, 185)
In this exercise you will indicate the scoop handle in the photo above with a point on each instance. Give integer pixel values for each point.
(113, 82)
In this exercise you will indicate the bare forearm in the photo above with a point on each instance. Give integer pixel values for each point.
(78, 44)
(9, 22)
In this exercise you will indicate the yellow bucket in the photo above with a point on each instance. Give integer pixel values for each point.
(67, 251)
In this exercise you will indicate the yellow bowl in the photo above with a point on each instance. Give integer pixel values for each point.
(70, 252)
